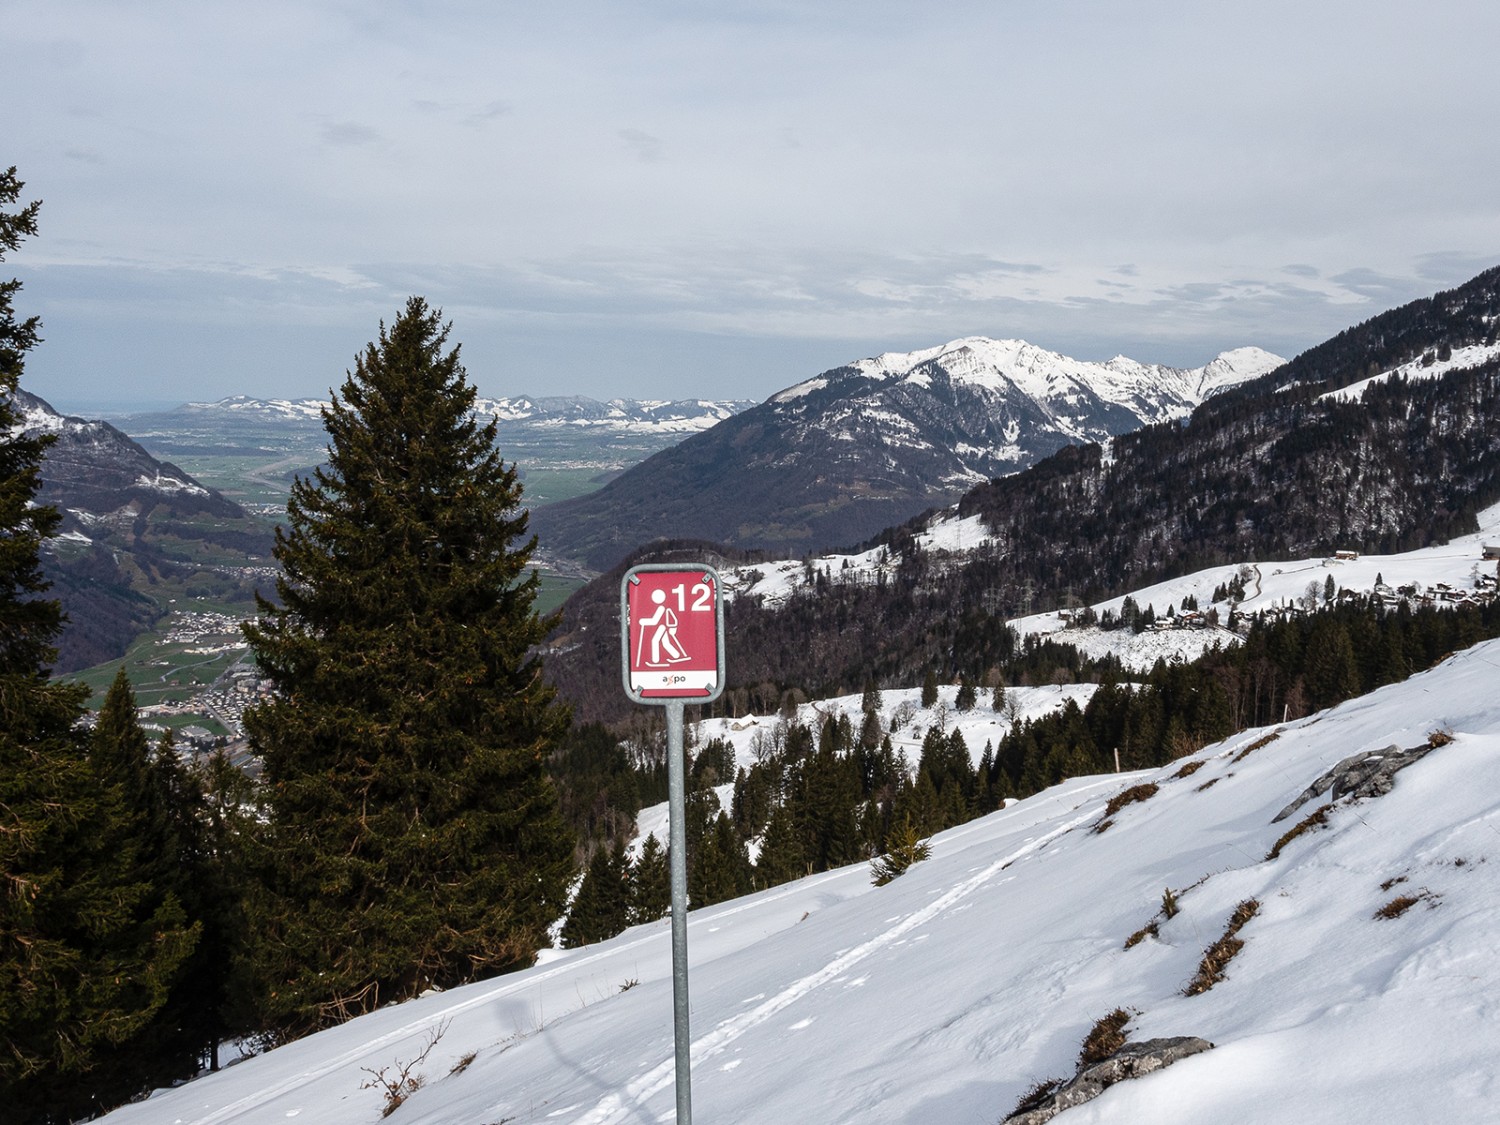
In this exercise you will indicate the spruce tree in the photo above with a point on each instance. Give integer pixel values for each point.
(85, 962)
(227, 821)
(782, 858)
(601, 908)
(721, 867)
(413, 837)
(650, 884)
(906, 847)
(157, 827)
(966, 695)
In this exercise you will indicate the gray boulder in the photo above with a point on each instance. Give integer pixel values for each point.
(1131, 1061)
(1369, 774)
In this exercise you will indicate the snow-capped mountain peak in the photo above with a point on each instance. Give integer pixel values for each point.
(1012, 366)
(839, 457)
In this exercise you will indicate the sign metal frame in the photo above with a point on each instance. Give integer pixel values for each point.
(658, 697)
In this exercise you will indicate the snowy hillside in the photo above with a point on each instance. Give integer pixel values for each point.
(96, 460)
(945, 995)
(1457, 566)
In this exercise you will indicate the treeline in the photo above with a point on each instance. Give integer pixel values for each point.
(1286, 669)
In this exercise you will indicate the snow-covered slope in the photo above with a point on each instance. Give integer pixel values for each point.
(1269, 586)
(946, 994)
(1426, 366)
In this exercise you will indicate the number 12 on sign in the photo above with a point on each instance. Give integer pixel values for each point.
(672, 633)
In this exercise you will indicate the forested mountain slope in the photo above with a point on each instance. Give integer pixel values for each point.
(838, 457)
(1281, 467)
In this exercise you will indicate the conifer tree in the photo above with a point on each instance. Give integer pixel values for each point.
(781, 856)
(85, 963)
(413, 837)
(601, 909)
(929, 689)
(721, 868)
(228, 819)
(906, 848)
(651, 884)
(966, 694)
(157, 825)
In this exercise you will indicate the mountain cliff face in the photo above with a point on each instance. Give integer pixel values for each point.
(834, 460)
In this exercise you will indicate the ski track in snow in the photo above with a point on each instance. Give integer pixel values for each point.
(621, 1107)
(354, 1054)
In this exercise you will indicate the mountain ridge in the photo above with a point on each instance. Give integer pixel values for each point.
(836, 458)
(622, 414)
(1269, 469)
(130, 521)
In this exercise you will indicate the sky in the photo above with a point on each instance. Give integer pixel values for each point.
(720, 199)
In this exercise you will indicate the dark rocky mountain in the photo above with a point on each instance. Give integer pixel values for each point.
(836, 459)
(133, 527)
(1386, 437)
(94, 471)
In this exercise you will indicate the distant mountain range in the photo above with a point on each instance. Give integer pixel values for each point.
(838, 458)
(620, 415)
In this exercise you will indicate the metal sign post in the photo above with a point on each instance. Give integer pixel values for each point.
(672, 641)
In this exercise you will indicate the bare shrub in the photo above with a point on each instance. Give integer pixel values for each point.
(1216, 957)
(1402, 903)
(400, 1081)
(1034, 1097)
(1306, 824)
(1106, 1037)
(1397, 906)
(1256, 745)
(1130, 796)
(1150, 929)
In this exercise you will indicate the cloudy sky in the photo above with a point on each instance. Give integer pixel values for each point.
(703, 198)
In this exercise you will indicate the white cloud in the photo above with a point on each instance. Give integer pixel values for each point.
(770, 170)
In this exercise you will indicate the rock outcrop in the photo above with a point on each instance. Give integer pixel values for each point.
(1134, 1060)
